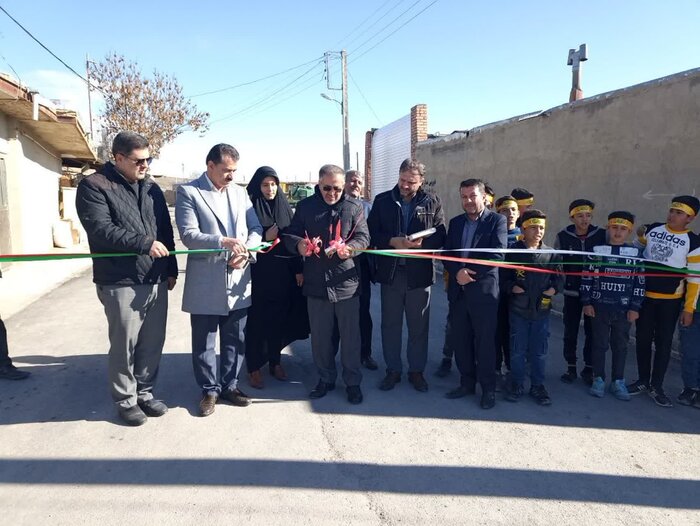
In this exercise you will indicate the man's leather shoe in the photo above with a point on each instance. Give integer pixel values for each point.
(208, 404)
(460, 392)
(153, 407)
(278, 373)
(418, 382)
(488, 399)
(354, 394)
(133, 415)
(237, 397)
(255, 380)
(445, 368)
(10, 372)
(321, 389)
(390, 381)
(369, 363)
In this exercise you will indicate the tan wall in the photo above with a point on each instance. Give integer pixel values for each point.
(32, 184)
(612, 149)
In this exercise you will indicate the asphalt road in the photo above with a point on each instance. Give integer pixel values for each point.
(402, 457)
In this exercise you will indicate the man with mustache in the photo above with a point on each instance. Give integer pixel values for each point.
(213, 213)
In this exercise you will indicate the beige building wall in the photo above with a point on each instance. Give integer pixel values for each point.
(32, 182)
(629, 149)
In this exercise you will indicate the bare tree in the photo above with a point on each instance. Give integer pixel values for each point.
(153, 107)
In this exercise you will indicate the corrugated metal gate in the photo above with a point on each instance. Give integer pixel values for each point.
(390, 146)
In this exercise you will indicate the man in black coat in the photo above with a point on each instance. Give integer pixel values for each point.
(473, 292)
(124, 211)
(325, 229)
(405, 282)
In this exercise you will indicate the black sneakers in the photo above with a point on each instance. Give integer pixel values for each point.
(689, 397)
(637, 387)
(569, 377)
(659, 397)
(514, 392)
(540, 394)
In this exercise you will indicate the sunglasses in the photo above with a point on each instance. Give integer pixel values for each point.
(328, 188)
(141, 162)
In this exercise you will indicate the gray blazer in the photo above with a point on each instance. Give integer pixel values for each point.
(209, 281)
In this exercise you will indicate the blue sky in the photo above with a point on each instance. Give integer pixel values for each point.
(471, 62)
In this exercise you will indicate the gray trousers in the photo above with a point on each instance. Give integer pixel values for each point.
(136, 316)
(398, 299)
(322, 315)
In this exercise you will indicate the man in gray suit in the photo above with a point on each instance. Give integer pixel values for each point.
(213, 213)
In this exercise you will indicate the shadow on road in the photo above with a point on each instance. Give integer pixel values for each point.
(399, 479)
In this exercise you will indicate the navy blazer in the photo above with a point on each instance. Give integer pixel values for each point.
(491, 232)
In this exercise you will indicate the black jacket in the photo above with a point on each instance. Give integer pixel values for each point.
(117, 220)
(568, 240)
(385, 221)
(331, 278)
(491, 232)
(532, 304)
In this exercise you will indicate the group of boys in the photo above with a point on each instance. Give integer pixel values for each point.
(613, 284)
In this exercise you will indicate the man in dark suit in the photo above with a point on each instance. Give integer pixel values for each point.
(473, 292)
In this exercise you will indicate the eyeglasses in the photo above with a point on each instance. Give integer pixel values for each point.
(141, 162)
(328, 188)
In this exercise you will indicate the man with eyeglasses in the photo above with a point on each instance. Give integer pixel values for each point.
(123, 211)
(405, 282)
(326, 229)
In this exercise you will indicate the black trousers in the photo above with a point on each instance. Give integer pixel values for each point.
(610, 329)
(572, 321)
(656, 323)
(4, 350)
(503, 334)
(365, 316)
(472, 328)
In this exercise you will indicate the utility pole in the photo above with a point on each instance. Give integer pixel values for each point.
(87, 71)
(574, 60)
(344, 108)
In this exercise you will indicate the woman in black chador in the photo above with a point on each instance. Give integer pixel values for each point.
(275, 276)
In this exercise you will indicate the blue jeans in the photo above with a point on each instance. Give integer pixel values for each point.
(528, 340)
(690, 353)
(231, 329)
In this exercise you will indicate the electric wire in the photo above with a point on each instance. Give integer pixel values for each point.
(394, 31)
(49, 51)
(220, 90)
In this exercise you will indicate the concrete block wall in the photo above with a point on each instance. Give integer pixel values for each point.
(631, 149)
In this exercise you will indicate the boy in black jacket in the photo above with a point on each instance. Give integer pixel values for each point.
(579, 236)
(530, 304)
(612, 298)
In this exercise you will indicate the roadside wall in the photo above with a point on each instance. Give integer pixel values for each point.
(631, 149)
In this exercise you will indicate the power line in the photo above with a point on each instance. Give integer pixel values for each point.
(46, 48)
(365, 20)
(253, 81)
(298, 92)
(265, 99)
(379, 121)
(395, 30)
(375, 35)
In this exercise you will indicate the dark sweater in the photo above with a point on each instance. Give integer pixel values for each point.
(613, 292)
